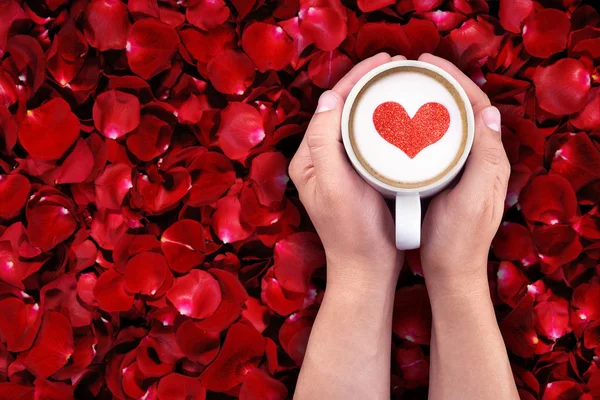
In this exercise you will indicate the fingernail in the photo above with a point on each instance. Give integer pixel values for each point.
(491, 118)
(327, 102)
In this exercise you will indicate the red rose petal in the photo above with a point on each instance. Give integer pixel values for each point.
(552, 318)
(48, 131)
(268, 46)
(586, 299)
(150, 139)
(241, 129)
(61, 295)
(258, 385)
(549, 199)
(67, 54)
(197, 344)
(370, 5)
(175, 386)
(14, 191)
(207, 14)
(578, 161)
(110, 292)
(99, 32)
(423, 36)
(212, 174)
(240, 354)
(294, 334)
(280, 300)
(50, 219)
(11, 12)
(77, 166)
(323, 23)
(116, 113)
(375, 37)
(563, 390)
(85, 288)
(412, 314)
(512, 283)
(184, 245)
(512, 13)
(296, 257)
(268, 173)
(112, 185)
(45, 389)
(19, 323)
(53, 346)
(517, 329)
(512, 242)
(205, 46)
(326, 69)
(145, 273)
(557, 244)
(226, 221)
(108, 227)
(589, 118)
(562, 88)
(546, 32)
(8, 129)
(196, 295)
(414, 365)
(231, 72)
(150, 46)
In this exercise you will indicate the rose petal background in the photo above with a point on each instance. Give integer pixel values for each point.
(152, 245)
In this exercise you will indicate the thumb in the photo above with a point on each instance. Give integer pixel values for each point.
(324, 136)
(487, 170)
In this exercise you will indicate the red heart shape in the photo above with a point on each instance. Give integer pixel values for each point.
(411, 135)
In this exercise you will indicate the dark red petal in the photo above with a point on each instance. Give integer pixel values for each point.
(557, 244)
(53, 346)
(48, 131)
(254, 214)
(423, 36)
(207, 14)
(426, 5)
(175, 386)
(294, 334)
(110, 292)
(196, 295)
(326, 69)
(14, 191)
(546, 32)
(296, 257)
(268, 173)
(371, 5)
(578, 161)
(183, 244)
(50, 220)
(48, 390)
(241, 352)
(77, 166)
(233, 298)
(549, 199)
(11, 11)
(67, 54)
(517, 329)
(116, 113)
(241, 129)
(445, 20)
(589, 118)
(552, 318)
(8, 129)
(512, 283)
(512, 13)
(60, 295)
(375, 37)
(106, 24)
(145, 273)
(150, 139)
(256, 313)
(112, 185)
(563, 390)
(268, 46)
(204, 46)
(562, 88)
(212, 174)
(19, 323)
(512, 242)
(231, 72)
(586, 299)
(108, 227)
(197, 344)
(85, 288)
(280, 300)
(323, 23)
(412, 314)
(150, 46)
(414, 365)
(258, 384)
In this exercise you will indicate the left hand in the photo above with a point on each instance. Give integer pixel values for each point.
(351, 218)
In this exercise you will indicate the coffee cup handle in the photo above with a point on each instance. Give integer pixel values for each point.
(408, 221)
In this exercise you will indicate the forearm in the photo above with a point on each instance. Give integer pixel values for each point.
(468, 355)
(348, 354)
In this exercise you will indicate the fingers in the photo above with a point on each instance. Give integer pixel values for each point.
(477, 97)
(487, 170)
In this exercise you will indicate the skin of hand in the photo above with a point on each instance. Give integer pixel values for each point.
(348, 353)
(468, 357)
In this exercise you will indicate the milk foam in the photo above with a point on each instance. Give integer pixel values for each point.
(411, 90)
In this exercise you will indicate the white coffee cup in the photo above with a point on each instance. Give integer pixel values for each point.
(396, 165)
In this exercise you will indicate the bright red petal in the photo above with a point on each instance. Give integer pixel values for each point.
(562, 88)
(116, 113)
(183, 244)
(106, 24)
(150, 46)
(241, 129)
(268, 46)
(196, 295)
(545, 32)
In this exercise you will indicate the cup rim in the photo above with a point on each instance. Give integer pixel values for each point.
(346, 119)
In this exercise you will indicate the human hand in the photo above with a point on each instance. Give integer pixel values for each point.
(351, 218)
(461, 222)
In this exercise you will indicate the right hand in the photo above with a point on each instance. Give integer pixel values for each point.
(462, 221)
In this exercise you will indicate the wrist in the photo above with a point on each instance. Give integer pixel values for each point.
(448, 291)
